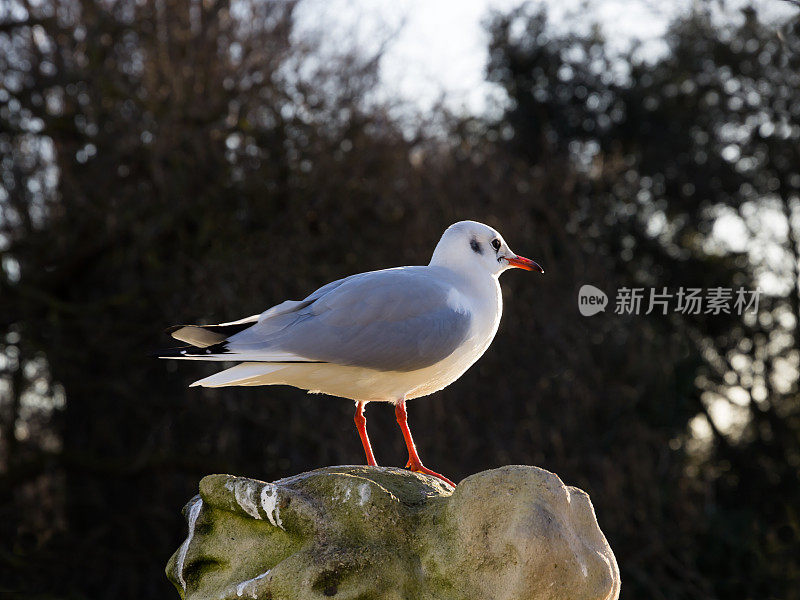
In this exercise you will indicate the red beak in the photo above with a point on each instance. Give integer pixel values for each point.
(520, 262)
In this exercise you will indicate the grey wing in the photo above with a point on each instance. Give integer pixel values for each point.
(274, 318)
(392, 320)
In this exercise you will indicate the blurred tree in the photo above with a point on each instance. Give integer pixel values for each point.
(707, 129)
(168, 161)
(161, 160)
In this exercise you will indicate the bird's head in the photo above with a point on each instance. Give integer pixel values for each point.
(469, 246)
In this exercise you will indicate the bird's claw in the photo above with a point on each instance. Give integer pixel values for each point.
(420, 468)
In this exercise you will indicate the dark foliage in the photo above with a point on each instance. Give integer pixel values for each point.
(168, 162)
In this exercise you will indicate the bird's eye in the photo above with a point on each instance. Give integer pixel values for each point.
(496, 244)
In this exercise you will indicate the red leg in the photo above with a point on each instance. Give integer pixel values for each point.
(361, 425)
(414, 462)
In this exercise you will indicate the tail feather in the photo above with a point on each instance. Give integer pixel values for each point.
(239, 374)
(220, 352)
(204, 336)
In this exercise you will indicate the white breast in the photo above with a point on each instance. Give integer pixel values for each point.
(486, 307)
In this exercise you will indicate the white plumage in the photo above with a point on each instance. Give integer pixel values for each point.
(388, 335)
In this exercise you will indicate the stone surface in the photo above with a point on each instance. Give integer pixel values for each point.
(369, 533)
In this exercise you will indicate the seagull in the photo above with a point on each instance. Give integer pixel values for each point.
(382, 336)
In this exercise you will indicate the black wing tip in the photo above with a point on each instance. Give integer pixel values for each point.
(168, 352)
(181, 351)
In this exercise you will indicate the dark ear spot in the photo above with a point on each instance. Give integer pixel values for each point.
(476, 247)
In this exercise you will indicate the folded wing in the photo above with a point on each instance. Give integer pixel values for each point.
(393, 320)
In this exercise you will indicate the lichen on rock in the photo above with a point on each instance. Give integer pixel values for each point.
(365, 533)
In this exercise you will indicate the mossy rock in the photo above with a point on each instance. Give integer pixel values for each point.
(372, 533)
